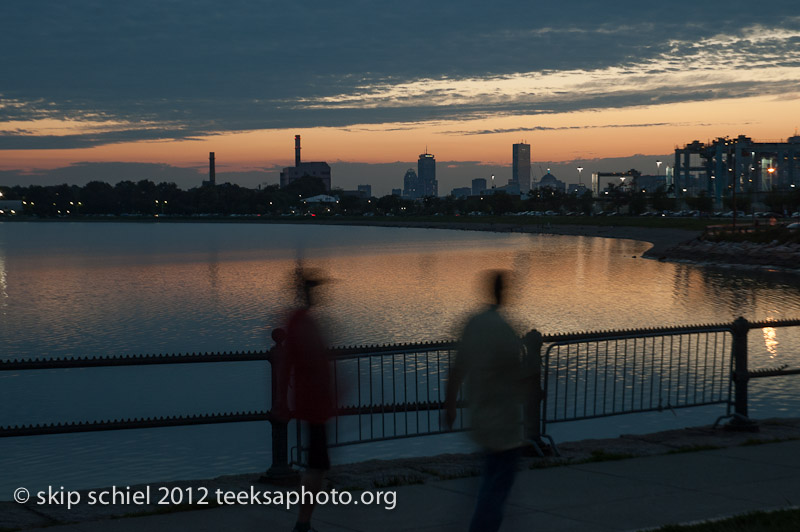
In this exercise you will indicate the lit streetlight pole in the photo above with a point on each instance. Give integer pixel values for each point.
(580, 169)
(658, 168)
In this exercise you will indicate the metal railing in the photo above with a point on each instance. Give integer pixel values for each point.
(397, 391)
(624, 372)
(617, 373)
(393, 392)
(139, 422)
(387, 392)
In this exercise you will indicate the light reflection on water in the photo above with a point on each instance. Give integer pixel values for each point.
(96, 289)
(3, 284)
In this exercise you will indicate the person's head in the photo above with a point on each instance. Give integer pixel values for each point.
(307, 280)
(496, 282)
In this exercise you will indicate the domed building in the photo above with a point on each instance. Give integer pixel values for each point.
(550, 181)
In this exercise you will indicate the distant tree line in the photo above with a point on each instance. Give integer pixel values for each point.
(145, 198)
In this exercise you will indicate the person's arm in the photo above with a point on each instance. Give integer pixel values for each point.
(282, 367)
(454, 381)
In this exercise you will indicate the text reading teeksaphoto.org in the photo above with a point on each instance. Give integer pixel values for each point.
(201, 496)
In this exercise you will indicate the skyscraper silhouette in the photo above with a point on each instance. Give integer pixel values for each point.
(411, 188)
(521, 166)
(426, 171)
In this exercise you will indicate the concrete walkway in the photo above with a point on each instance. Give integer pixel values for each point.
(631, 494)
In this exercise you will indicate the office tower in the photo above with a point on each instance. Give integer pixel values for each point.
(478, 186)
(411, 184)
(426, 171)
(521, 166)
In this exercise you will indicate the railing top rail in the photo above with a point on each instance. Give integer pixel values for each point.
(635, 333)
(344, 352)
(130, 360)
(134, 423)
(773, 323)
(354, 351)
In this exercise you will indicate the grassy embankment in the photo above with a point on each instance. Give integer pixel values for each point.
(778, 521)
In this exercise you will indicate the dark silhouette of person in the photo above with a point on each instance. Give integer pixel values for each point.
(489, 359)
(308, 365)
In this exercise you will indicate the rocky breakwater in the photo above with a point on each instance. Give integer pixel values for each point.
(772, 254)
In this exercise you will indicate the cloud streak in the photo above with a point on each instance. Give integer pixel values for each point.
(95, 73)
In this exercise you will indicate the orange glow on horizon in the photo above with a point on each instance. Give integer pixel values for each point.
(580, 135)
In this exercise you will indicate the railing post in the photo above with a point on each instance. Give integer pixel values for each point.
(533, 401)
(741, 376)
(280, 470)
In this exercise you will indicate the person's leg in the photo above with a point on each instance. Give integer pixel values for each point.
(318, 463)
(498, 477)
(312, 482)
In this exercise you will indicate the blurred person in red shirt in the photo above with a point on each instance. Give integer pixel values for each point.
(307, 368)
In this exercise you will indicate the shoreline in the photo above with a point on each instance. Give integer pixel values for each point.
(661, 239)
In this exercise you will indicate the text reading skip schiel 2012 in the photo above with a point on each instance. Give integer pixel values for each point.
(199, 495)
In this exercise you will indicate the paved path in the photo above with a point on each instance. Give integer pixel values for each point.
(631, 494)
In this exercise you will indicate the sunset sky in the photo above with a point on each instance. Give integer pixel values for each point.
(94, 89)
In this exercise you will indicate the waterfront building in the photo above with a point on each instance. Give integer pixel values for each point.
(319, 170)
(321, 198)
(630, 176)
(576, 188)
(478, 186)
(426, 170)
(741, 164)
(550, 181)
(512, 189)
(521, 166)
(669, 178)
(411, 187)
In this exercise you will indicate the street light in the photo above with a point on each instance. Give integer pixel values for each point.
(580, 169)
(658, 168)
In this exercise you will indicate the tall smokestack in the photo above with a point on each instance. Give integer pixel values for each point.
(297, 150)
(212, 174)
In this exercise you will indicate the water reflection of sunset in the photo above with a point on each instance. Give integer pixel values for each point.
(190, 287)
(771, 341)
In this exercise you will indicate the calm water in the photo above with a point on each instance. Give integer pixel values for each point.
(94, 289)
